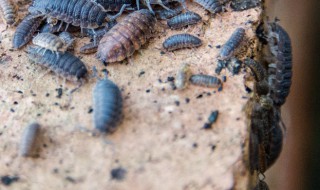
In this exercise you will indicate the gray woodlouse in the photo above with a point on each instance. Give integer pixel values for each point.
(8, 11)
(205, 80)
(126, 37)
(107, 106)
(280, 71)
(48, 41)
(232, 44)
(180, 41)
(213, 6)
(25, 31)
(241, 5)
(63, 64)
(28, 139)
(68, 40)
(83, 13)
(184, 19)
(183, 77)
(164, 14)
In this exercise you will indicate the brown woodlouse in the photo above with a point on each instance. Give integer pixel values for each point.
(28, 139)
(83, 13)
(48, 41)
(232, 44)
(107, 106)
(8, 11)
(213, 6)
(184, 19)
(63, 64)
(25, 31)
(126, 36)
(280, 71)
(183, 76)
(205, 80)
(180, 41)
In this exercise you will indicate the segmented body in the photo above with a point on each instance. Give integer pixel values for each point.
(59, 27)
(48, 41)
(180, 41)
(67, 39)
(213, 6)
(25, 31)
(63, 64)
(115, 5)
(183, 77)
(83, 13)
(233, 43)
(28, 139)
(164, 14)
(240, 5)
(184, 19)
(8, 11)
(205, 80)
(280, 72)
(275, 143)
(257, 69)
(126, 37)
(107, 106)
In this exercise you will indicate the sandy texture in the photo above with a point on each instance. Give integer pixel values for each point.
(160, 142)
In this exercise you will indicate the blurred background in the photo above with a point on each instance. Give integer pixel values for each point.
(298, 167)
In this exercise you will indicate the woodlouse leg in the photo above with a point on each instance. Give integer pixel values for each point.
(149, 6)
(114, 17)
(71, 92)
(184, 5)
(138, 4)
(165, 7)
(60, 26)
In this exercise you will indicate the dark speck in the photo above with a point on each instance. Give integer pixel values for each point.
(118, 173)
(177, 103)
(20, 92)
(70, 179)
(195, 145)
(59, 90)
(199, 96)
(47, 95)
(187, 100)
(210, 46)
(162, 53)
(15, 102)
(224, 78)
(220, 89)
(170, 79)
(213, 116)
(7, 180)
(90, 110)
(218, 46)
(141, 73)
(12, 110)
(213, 147)
(147, 91)
(206, 126)
(248, 90)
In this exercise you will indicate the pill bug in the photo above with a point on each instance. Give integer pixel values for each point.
(164, 14)
(28, 139)
(180, 41)
(8, 11)
(262, 185)
(127, 36)
(280, 71)
(48, 41)
(115, 5)
(183, 76)
(25, 31)
(68, 40)
(205, 80)
(107, 106)
(232, 44)
(241, 5)
(184, 19)
(83, 13)
(213, 6)
(63, 64)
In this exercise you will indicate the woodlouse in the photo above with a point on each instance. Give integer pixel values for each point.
(25, 31)
(59, 27)
(164, 14)
(205, 80)
(28, 139)
(48, 41)
(180, 41)
(280, 71)
(8, 11)
(213, 6)
(107, 106)
(184, 19)
(67, 39)
(148, 3)
(257, 69)
(83, 13)
(115, 5)
(63, 64)
(233, 65)
(183, 77)
(240, 5)
(275, 144)
(232, 44)
(126, 36)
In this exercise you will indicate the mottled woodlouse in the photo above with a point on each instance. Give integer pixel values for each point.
(68, 40)
(83, 13)
(213, 6)
(184, 19)
(8, 11)
(280, 70)
(48, 41)
(183, 76)
(28, 139)
(107, 106)
(63, 64)
(180, 41)
(205, 80)
(126, 37)
(25, 31)
(232, 44)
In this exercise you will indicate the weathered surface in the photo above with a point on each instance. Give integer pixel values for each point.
(160, 142)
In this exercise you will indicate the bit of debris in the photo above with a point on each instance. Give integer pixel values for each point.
(118, 173)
